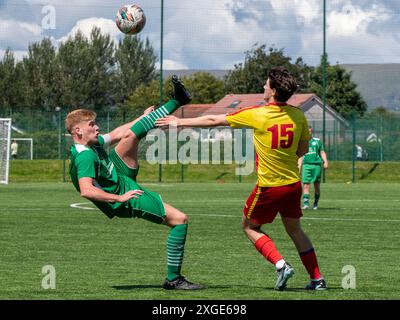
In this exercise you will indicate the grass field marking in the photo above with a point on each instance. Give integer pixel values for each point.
(325, 200)
(81, 205)
(350, 219)
(304, 218)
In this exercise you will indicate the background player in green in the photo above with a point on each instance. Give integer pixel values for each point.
(109, 181)
(310, 167)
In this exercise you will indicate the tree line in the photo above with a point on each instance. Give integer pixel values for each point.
(93, 72)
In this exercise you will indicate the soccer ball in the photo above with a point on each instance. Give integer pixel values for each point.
(130, 19)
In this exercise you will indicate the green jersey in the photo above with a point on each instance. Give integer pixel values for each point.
(314, 149)
(94, 162)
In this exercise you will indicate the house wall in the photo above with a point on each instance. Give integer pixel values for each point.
(334, 128)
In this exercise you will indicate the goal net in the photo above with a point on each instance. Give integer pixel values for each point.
(5, 137)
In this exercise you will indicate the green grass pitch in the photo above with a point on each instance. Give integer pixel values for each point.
(98, 258)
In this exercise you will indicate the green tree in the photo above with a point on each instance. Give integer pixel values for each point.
(380, 111)
(74, 64)
(135, 61)
(85, 68)
(144, 96)
(11, 85)
(342, 94)
(41, 91)
(100, 79)
(205, 88)
(250, 76)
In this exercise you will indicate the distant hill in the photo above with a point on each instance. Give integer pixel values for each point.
(379, 84)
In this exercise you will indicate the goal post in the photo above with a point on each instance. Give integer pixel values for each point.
(28, 149)
(5, 143)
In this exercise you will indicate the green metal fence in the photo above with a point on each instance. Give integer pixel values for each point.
(373, 139)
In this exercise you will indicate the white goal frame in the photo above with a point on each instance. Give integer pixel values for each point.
(5, 165)
(30, 146)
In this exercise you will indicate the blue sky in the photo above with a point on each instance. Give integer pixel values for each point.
(214, 34)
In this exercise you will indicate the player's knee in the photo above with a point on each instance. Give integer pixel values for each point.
(246, 227)
(182, 218)
(294, 231)
(185, 219)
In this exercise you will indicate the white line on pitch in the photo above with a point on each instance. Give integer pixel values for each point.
(82, 206)
(303, 218)
(79, 206)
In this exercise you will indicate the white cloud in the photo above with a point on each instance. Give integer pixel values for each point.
(172, 65)
(363, 48)
(18, 55)
(215, 34)
(349, 39)
(351, 20)
(85, 26)
(205, 37)
(305, 11)
(17, 35)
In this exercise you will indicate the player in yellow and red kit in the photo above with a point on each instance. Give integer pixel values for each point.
(280, 138)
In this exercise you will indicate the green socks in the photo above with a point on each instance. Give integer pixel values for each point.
(175, 249)
(145, 124)
(306, 199)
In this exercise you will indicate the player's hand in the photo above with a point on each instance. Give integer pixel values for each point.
(326, 165)
(167, 121)
(148, 110)
(130, 194)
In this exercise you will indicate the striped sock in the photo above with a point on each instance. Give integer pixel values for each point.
(175, 249)
(145, 124)
(306, 199)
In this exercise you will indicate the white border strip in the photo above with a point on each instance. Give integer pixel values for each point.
(83, 205)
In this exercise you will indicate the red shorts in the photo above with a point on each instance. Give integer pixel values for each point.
(264, 203)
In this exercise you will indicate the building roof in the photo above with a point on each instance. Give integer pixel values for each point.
(234, 102)
(239, 101)
(192, 110)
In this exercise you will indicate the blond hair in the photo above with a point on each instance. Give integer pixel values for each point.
(77, 116)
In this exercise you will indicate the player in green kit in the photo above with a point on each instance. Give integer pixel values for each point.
(109, 180)
(310, 166)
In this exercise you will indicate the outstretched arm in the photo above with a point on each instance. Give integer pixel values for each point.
(90, 192)
(118, 133)
(204, 121)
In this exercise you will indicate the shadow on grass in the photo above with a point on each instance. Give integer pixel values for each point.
(307, 291)
(139, 286)
(211, 287)
(150, 286)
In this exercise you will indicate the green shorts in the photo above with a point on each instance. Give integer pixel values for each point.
(311, 173)
(149, 205)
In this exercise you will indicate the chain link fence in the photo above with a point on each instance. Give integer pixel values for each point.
(371, 139)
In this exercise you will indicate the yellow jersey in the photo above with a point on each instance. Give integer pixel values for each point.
(278, 128)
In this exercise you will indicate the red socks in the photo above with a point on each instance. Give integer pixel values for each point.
(266, 247)
(309, 260)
